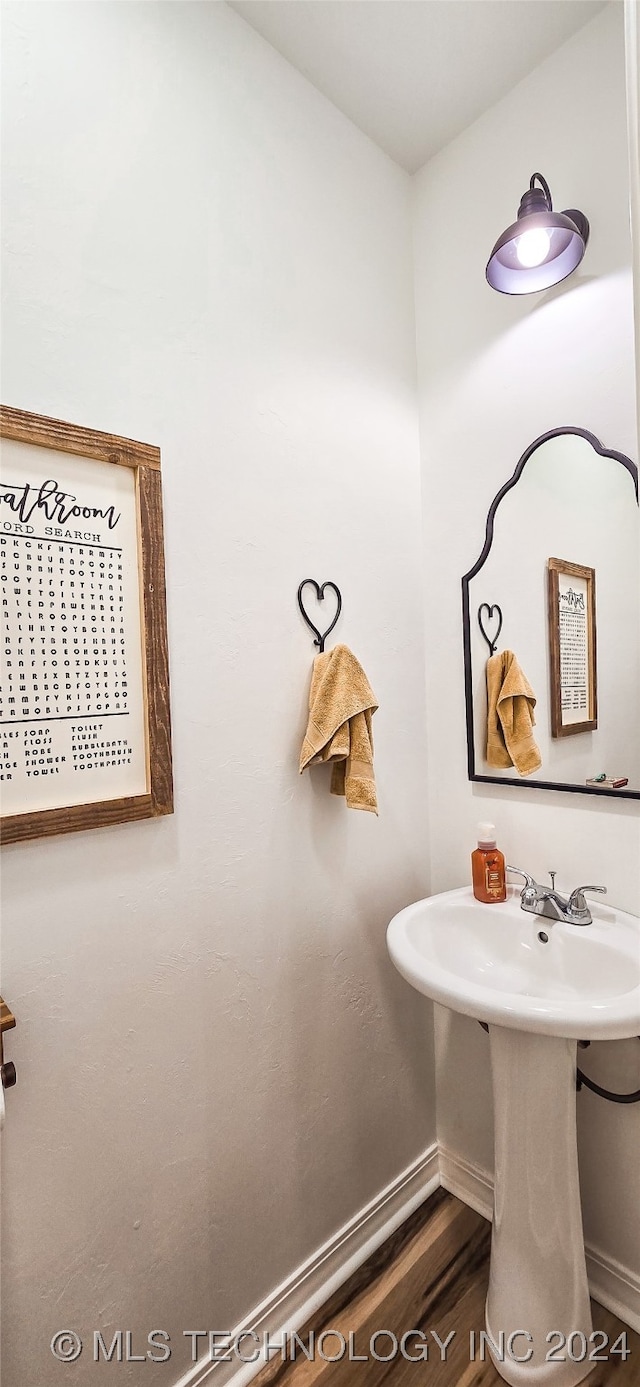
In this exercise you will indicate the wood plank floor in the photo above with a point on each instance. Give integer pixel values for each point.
(430, 1275)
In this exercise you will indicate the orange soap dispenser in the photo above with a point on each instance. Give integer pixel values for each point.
(487, 867)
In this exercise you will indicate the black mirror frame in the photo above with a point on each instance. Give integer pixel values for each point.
(528, 784)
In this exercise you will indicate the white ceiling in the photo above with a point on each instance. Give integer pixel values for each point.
(413, 73)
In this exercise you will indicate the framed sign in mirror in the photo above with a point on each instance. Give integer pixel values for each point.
(85, 729)
(572, 648)
(551, 701)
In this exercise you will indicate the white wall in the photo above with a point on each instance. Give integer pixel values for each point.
(494, 373)
(217, 1063)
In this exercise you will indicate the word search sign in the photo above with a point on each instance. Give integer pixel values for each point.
(77, 662)
(572, 648)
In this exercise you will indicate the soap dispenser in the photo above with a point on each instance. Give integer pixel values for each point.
(487, 867)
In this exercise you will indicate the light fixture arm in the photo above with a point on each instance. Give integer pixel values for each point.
(535, 199)
(545, 187)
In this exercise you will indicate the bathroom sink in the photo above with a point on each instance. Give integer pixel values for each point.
(541, 985)
(489, 962)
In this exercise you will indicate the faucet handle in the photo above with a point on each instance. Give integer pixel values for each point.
(577, 908)
(528, 880)
(529, 891)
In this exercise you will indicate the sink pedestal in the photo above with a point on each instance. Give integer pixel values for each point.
(538, 1278)
(532, 988)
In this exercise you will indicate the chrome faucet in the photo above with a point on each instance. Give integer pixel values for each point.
(545, 900)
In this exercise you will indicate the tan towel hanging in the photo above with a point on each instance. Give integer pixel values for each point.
(510, 716)
(341, 706)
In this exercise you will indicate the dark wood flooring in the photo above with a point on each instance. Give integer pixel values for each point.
(431, 1274)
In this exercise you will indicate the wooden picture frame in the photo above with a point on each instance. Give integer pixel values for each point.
(572, 648)
(36, 525)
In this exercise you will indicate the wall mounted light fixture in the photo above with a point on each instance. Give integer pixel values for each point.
(541, 248)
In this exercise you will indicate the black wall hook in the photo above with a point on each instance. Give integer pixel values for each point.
(320, 637)
(484, 607)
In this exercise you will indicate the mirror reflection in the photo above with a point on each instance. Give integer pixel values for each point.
(552, 624)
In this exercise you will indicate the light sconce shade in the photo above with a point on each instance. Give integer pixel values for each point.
(541, 248)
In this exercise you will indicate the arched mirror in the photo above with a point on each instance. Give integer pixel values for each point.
(551, 619)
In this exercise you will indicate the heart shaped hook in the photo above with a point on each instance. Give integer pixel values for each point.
(484, 606)
(321, 638)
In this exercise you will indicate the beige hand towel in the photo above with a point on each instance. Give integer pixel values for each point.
(510, 717)
(341, 706)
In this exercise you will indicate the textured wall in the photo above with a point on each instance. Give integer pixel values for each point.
(495, 373)
(217, 1063)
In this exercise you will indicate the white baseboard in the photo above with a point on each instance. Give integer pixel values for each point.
(291, 1304)
(611, 1284)
(614, 1286)
(471, 1184)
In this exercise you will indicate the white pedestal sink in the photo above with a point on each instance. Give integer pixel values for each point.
(538, 998)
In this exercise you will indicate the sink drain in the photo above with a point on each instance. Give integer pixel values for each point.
(544, 938)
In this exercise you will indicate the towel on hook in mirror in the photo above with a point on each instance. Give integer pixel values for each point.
(510, 717)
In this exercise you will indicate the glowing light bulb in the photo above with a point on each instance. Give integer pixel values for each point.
(533, 247)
